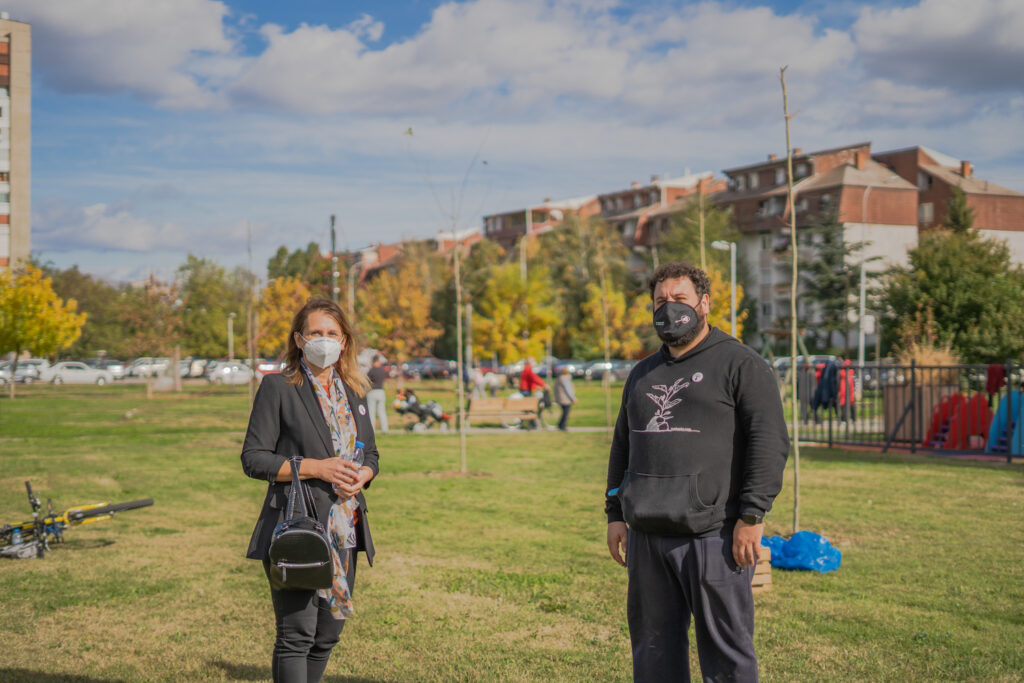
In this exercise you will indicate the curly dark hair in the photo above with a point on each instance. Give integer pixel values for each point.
(678, 269)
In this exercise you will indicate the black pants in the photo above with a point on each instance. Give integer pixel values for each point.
(671, 578)
(306, 631)
(565, 417)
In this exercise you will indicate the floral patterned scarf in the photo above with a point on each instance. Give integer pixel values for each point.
(341, 523)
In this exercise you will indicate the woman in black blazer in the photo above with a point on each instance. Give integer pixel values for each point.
(315, 409)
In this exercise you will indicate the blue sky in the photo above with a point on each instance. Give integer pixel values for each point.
(163, 127)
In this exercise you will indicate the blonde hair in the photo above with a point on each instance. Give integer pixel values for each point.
(347, 365)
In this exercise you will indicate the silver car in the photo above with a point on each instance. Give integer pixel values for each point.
(75, 372)
(230, 372)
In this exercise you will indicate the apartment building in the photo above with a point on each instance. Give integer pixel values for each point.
(15, 140)
(874, 204)
(507, 228)
(998, 211)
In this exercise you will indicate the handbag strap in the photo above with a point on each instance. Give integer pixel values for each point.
(296, 493)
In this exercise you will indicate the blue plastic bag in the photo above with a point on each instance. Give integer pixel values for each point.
(803, 550)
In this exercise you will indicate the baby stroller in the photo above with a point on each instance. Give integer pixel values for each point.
(425, 415)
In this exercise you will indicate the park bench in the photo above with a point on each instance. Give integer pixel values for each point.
(507, 411)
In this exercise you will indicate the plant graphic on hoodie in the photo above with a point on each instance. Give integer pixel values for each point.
(665, 402)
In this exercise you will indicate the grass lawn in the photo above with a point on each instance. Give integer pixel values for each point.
(499, 575)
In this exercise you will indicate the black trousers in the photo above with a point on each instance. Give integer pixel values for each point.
(672, 578)
(562, 423)
(306, 631)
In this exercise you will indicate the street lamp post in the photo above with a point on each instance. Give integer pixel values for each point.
(723, 245)
(231, 336)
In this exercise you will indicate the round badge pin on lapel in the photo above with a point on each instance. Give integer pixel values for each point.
(362, 410)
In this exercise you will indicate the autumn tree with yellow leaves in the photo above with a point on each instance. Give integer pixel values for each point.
(513, 318)
(33, 318)
(629, 319)
(280, 300)
(393, 313)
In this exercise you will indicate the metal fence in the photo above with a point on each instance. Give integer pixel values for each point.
(951, 410)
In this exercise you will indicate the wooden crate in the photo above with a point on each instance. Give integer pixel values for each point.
(762, 579)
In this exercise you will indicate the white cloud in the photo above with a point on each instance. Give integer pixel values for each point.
(138, 46)
(970, 46)
(60, 227)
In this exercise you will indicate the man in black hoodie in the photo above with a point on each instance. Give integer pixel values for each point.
(697, 457)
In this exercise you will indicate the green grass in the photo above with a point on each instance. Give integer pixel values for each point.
(501, 574)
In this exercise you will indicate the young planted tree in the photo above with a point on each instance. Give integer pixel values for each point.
(33, 318)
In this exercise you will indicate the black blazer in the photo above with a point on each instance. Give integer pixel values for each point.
(286, 421)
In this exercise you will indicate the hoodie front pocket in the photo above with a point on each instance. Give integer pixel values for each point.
(664, 504)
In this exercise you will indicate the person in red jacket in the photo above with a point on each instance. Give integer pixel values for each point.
(529, 381)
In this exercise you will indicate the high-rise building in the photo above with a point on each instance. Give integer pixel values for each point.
(15, 140)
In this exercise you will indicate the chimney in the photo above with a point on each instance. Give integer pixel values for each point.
(772, 157)
(654, 179)
(797, 151)
(547, 200)
(966, 169)
(860, 159)
(634, 184)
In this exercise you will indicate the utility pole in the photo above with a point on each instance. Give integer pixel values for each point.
(334, 270)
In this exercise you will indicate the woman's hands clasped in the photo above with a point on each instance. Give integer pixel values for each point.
(347, 478)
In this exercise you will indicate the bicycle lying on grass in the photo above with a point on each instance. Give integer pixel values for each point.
(32, 538)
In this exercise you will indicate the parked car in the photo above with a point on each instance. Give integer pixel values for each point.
(618, 369)
(29, 370)
(230, 372)
(265, 366)
(75, 372)
(148, 366)
(5, 372)
(576, 367)
(116, 368)
(426, 368)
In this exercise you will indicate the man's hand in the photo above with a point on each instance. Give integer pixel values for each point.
(617, 541)
(746, 539)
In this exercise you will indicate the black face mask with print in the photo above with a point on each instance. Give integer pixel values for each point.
(676, 323)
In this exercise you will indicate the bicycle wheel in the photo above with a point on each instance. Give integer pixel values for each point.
(78, 515)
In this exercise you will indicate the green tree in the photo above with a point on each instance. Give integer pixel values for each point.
(512, 318)
(972, 289)
(33, 318)
(208, 294)
(309, 266)
(682, 240)
(103, 331)
(574, 254)
(476, 272)
(151, 319)
(830, 281)
(959, 217)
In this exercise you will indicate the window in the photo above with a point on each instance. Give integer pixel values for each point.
(780, 176)
(740, 184)
(539, 216)
(655, 196)
(924, 181)
(826, 202)
(766, 310)
(766, 240)
(752, 179)
(618, 203)
(801, 170)
(926, 213)
(802, 205)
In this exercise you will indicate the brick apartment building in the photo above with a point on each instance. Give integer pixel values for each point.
(998, 211)
(643, 213)
(507, 228)
(15, 140)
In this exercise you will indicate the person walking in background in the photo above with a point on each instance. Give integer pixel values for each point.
(696, 461)
(314, 409)
(376, 397)
(565, 396)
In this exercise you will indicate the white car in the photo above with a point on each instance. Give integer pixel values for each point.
(75, 372)
(147, 367)
(230, 372)
(30, 369)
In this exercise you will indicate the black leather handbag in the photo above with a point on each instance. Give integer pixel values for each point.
(300, 554)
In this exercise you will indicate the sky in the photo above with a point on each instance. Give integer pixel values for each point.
(168, 127)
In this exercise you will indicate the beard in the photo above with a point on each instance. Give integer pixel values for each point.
(697, 330)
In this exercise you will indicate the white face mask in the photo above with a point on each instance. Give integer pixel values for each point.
(322, 352)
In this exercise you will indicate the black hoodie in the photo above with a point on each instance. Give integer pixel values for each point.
(699, 440)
